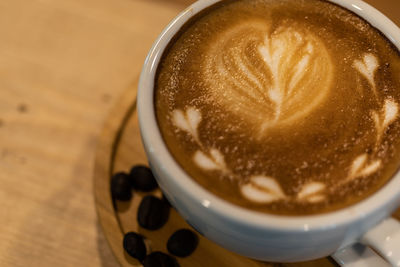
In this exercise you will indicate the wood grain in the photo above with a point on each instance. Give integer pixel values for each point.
(63, 65)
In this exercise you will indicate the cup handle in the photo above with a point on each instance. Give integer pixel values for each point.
(358, 255)
(385, 239)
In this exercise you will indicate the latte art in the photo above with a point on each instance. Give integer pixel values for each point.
(269, 78)
(281, 106)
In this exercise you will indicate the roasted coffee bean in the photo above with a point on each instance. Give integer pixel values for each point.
(165, 199)
(120, 187)
(153, 213)
(134, 245)
(142, 179)
(159, 259)
(182, 243)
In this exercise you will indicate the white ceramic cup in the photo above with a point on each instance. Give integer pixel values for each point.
(257, 235)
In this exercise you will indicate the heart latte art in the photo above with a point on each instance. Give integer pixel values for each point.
(281, 106)
(270, 78)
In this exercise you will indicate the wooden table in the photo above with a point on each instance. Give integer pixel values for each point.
(63, 64)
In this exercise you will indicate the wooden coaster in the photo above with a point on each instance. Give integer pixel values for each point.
(119, 149)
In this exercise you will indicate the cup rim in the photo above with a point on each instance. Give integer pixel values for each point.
(158, 151)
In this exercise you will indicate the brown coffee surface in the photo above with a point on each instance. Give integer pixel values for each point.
(281, 106)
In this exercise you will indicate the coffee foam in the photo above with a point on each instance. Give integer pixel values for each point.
(293, 68)
(367, 67)
(282, 111)
(312, 192)
(261, 189)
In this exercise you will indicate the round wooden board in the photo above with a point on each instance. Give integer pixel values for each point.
(119, 149)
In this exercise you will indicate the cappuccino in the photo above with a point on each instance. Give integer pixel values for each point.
(281, 106)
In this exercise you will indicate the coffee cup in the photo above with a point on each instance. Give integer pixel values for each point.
(264, 236)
